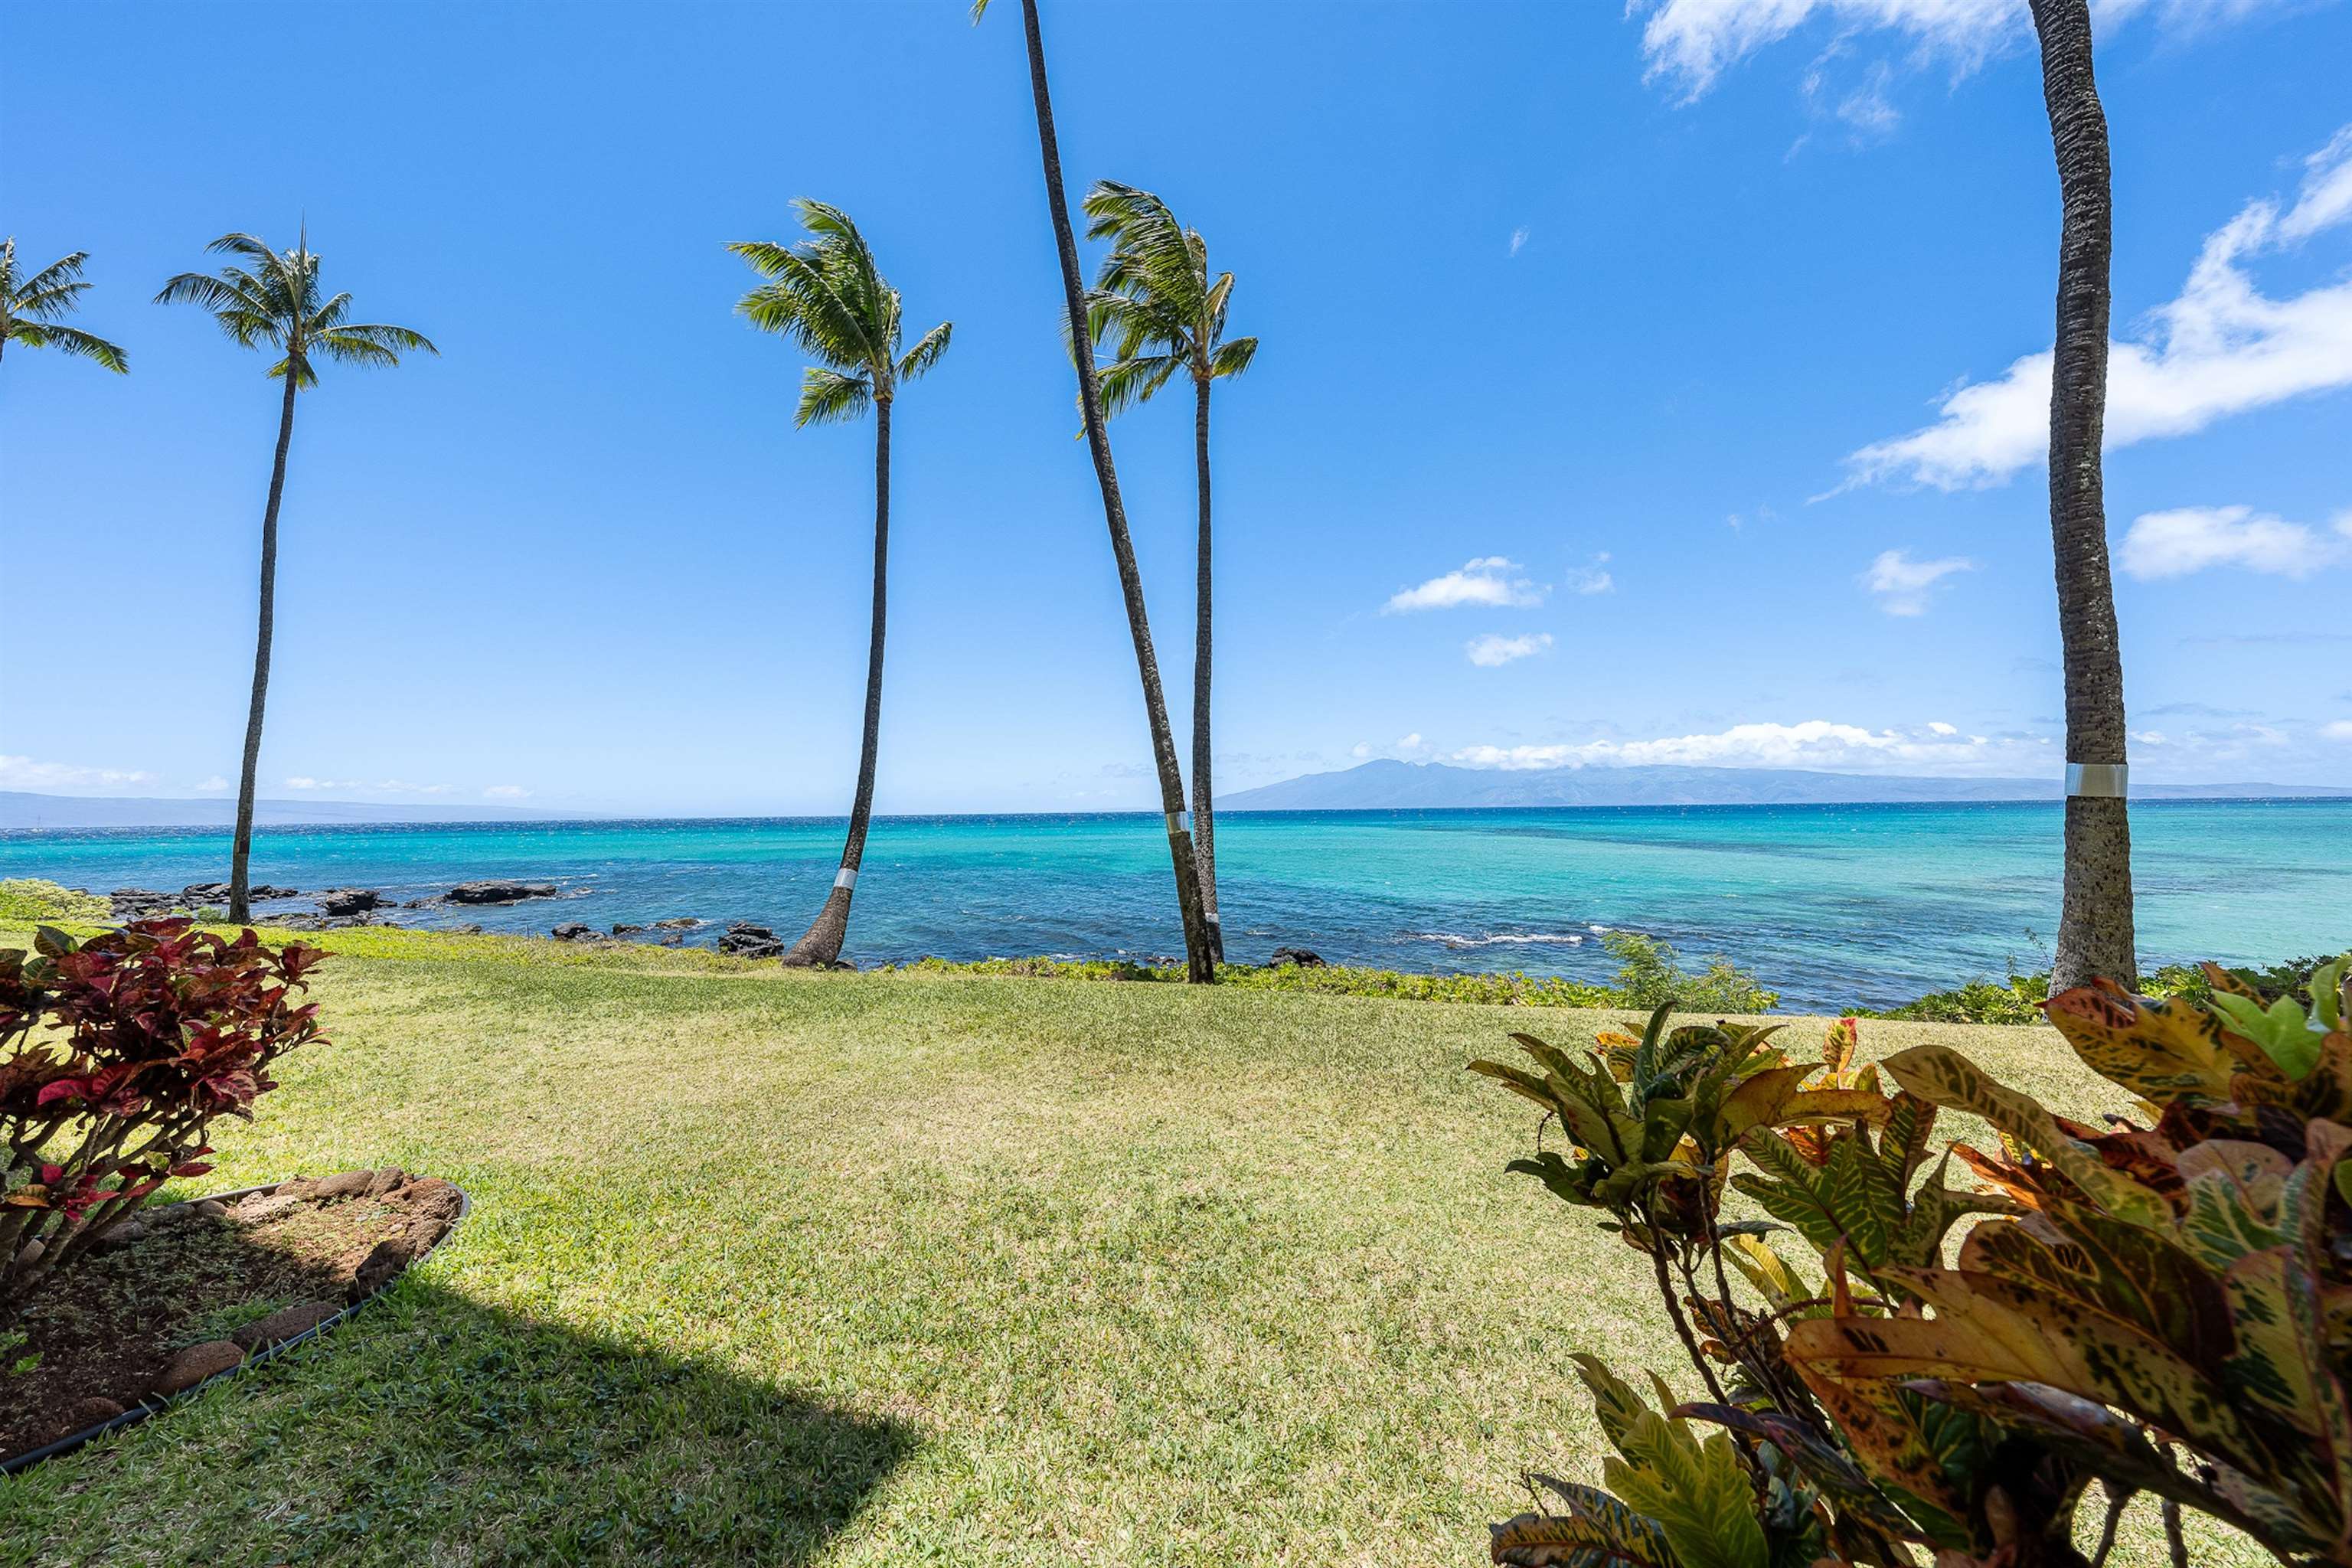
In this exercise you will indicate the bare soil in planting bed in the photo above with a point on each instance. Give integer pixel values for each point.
(199, 1286)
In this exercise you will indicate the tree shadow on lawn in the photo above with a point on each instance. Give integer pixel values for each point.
(433, 1428)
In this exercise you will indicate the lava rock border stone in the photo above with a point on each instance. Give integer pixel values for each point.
(155, 1405)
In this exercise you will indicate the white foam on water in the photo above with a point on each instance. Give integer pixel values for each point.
(1503, 939)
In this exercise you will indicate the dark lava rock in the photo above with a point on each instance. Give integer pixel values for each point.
(283, 1326)
(573, 930)
(467, 928)
(194, 1364)
(496, 892)
(209, 892)
(143, 903)
(343, 1184)
(385, 1179)
(380, 1268)
(1296, 957)
(744, 940)
(679, 922)
(621, 929)
(341, 901)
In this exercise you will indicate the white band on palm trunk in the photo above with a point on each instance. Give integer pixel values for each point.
(1211, 918)
(2097, 781)
(1175, 823)
(845, 877)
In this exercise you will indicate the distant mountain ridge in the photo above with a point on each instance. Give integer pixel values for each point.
(20, 810)
(1389, 785)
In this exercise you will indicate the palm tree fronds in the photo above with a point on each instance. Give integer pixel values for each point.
(829, 396)
(925, 351)
(1128, 382)
(71, 341)
(1233, 358)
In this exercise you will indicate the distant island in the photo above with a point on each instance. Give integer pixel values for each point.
(1387, 785)
(20, 810)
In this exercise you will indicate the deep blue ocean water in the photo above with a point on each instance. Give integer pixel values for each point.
(1831, 905)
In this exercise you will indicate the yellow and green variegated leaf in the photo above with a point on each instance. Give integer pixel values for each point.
(1697, 1491)
(1940, 1074)
(1614, 1404)
(1917, 1242)
(1520, 1081)
(2236, 1190)
(1931, 1473)
(2162, 1053)
(1862, 1196)
(1758, 1100)
(2268, 1366)
(1837, 1105)
(1989, 1329)
(1909, 1125)
(1794, 1204)
(1553, 1541)
(2143, 1276)
(1765, 1269)
(2305, 1212)
(1843, 1038)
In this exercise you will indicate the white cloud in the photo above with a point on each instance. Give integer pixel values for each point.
(506, 791)
(1519, 239)
(2222, 347)
(212, 785)
(2339, 730)
(305, 782)
(1490, 580)
(1939, 728)
(1691, 42)
(1494, 649)
(25, 774)
(1814, 743)
(2191, 538)
(1903, 584)
(1592, 578)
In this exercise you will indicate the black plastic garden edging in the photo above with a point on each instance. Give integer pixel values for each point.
(150, 1406)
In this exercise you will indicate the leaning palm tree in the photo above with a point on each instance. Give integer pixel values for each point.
(2095, 920)
(1162, 312)
(32, 310)
(826, 294)
(1200, 967)
(270, 300)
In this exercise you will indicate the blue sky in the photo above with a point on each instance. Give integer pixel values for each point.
(1632, 387)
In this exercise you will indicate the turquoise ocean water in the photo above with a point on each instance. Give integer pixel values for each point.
(1831, 905)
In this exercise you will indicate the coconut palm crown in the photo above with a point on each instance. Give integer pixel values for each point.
(272, 302)
(32, 310)
(1153, 299)
(826, 294)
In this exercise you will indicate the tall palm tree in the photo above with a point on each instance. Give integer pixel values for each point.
(269, 300)
(1156, 303)
(2094, 922)
(826, 294)
(32, 310)
(1200, 967)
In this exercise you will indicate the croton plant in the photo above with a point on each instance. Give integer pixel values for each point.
(1932, 1364)
(116, 1055)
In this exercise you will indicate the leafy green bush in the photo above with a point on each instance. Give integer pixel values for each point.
(1650, 973)
(1511, 990)
(2020, 1001)
(2162, 1309)
(29, 899)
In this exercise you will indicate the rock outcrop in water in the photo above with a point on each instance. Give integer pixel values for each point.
(498, 892)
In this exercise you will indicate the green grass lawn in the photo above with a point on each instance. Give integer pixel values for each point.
(868, 1269)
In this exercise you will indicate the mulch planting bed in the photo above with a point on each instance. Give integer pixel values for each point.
(186, 1292)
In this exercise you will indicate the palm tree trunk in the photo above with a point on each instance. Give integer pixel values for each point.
(2095, 922)
(240, 903)
(820, 946)
(1204, 810)
(1199, 967)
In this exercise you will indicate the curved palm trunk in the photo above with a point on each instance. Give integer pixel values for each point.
(1204, 809)
(1199, 967)
(820, 944)
(240, 903)
(2095, 922)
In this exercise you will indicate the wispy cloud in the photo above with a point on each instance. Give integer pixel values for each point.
(25, 774)
(1494, 649)
(1593, 577)
(2190, 539)
(1493, 580)
(506, 791)
(1814, 743)
(2221, 347)
(2341, 730)
(305, 782)
(1903, 584)
(1690, 43)
(212, 785)
(1519, 239)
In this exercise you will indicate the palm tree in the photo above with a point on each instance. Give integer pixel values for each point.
(31, 312)
(272, 301)
(827, 296)
(2094, 922)
(1200, 967)
(1157, 302)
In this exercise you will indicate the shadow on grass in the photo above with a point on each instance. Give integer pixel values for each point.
(433, 1428)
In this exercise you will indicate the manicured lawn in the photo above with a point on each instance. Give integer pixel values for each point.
(868, 1269)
